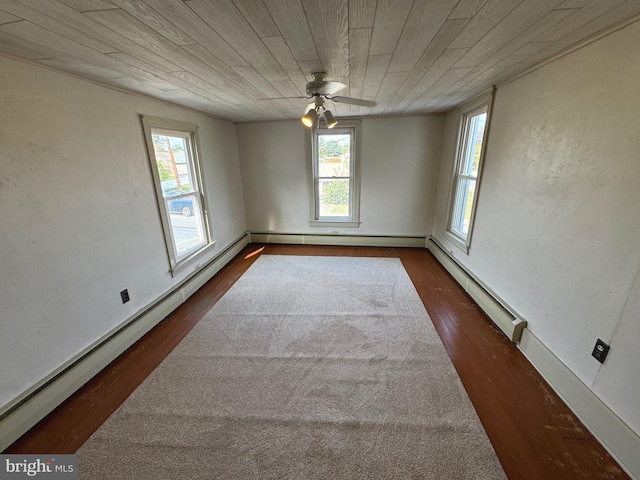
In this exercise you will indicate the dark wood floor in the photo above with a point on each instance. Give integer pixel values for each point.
(534, 434)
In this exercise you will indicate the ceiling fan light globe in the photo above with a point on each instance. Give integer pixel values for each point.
(310, 118)
(330, 119)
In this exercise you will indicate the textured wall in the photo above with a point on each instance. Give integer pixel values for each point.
(398, 163)
(557, 232)
(79, 220)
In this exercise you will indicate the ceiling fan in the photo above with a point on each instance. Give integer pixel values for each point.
(320, 89)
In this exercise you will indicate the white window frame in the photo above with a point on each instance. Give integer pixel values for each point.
(188, 131)
(467, 112)
(353, 219)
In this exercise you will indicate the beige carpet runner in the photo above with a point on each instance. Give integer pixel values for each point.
(307, 368)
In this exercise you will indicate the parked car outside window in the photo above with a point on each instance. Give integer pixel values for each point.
(181, 205)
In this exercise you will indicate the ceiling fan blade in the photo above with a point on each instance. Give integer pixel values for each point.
(354, 101)
(281, 98)
(329, 88)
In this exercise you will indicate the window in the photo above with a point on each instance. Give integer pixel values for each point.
(468, 166)
(175, 164)
(335, 182)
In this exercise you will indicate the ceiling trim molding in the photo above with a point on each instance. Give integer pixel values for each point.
(115, 88)
(576, 46)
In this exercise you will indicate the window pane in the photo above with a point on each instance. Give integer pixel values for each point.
(463, 204)
(473, 145)
(334, 152)
(173, 156)
(334, 198)
(336, 190)
(172, 160)
(187, 226)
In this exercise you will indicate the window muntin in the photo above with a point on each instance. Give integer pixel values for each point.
(334, 176)
(173, 154)
(468, 167)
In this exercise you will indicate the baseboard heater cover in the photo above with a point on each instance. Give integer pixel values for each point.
(17, 421)
(508, 323)
(616, 436)
(338, 239)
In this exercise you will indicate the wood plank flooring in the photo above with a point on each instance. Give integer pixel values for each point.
(533, 432)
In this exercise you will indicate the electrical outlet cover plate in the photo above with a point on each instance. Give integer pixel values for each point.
(600, 351)
(124, 294)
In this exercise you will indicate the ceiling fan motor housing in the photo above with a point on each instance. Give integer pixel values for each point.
(320, 86)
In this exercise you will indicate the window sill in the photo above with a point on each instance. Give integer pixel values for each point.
(182, 264)
(334, 223)
(457, 241)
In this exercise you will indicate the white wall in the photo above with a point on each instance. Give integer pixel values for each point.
(78, 216)
(398, 163)
(557, 228)
(557, 232)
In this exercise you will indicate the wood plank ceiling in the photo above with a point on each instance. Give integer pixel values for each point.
(230, 57)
